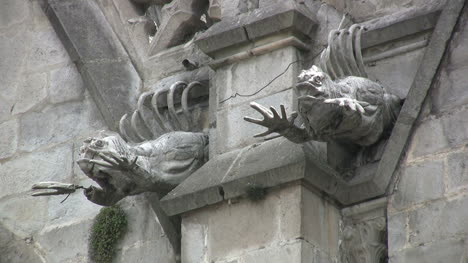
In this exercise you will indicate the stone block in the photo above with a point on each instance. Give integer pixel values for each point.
(16, 250)
(457, 169)
(65, 84)
(57, 124)
(5, 108)
(455, 128)
(320, 222)
(41, 22)
(75, 209)
(449, 90)
(143, 225)
(288, 252)
(13, 12)
(23, 215)
(234, 228)
(146, 252)
(418, 183)
(19, 174)
(233, 132)
(439, 220)
(396, 232)
(249, 76)
(194, 237)
(47, 50)
(8, 138)
(428, 138)
(14, 47)
(114, 86)
(65, 243)
(98, 41)
(437, 252)
(32, 91)
(405, 64)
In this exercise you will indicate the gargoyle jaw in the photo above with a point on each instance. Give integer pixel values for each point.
(309, 88)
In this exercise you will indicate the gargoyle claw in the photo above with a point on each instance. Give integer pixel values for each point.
(55, 187)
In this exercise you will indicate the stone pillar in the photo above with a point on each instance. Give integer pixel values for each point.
(291, 224)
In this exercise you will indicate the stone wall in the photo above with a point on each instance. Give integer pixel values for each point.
(46, 111)
(427, 214)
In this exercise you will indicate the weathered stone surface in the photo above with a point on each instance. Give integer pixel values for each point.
(57, 124)
(234, 228)
(8, 138)
(362, 11)
(289, 252)
(320, 222)
(13, 12)
(65, 84)
(146, 252)
(5, 108)
(75, 209)
(19, 174)
(143, 224)
(32, 91)
(16, 250)
(439, 251)
(114, 86)
(396, 232)
(14, 47)
(193, 242)
(455, 128)
(439, 220)
(449, 91)
(98, 41)
(419, 182)
(261, 22)
(23, 215)
(429, 137)
(406, 64)
(65, 243)
(251, 75)
(457, 169)
(46, 51)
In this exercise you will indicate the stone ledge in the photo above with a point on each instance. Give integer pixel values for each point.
(272, 20)
(266, 165)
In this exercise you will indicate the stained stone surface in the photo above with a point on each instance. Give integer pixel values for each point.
(66, 84)
(31, 92)
(9, 144)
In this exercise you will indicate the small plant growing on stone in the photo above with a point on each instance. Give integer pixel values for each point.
(108, 228)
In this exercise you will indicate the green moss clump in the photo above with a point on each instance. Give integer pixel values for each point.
(108, 228)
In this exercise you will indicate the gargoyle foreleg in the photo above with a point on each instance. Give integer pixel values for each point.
(275, 123)
(349, 103)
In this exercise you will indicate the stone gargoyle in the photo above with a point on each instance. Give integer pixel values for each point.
(339, 104)
(140, 163)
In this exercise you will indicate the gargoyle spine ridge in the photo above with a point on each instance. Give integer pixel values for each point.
(162, 111)
(343, 56)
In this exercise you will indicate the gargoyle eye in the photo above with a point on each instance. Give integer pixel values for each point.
(99, 143)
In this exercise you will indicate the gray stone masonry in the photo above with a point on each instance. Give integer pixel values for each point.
(291, 224)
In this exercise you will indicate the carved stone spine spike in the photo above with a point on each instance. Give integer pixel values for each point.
(160, 112)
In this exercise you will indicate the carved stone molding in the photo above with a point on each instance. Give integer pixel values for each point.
(365, 242)
(364, 233)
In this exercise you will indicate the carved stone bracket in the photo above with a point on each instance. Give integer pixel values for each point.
(365, 233)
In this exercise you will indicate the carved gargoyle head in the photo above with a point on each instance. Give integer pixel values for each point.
(99, 159)
(313, 82)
